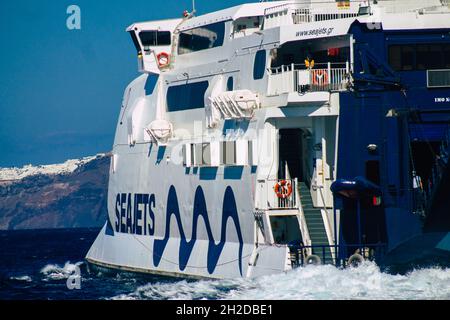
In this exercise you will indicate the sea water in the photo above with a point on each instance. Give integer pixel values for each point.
(38, 265)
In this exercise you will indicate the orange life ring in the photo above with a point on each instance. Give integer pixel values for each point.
(283, 189)
(317, 76)
(163, 59)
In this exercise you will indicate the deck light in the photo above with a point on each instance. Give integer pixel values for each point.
(372, 147)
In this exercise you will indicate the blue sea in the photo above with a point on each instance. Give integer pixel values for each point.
(38, 264)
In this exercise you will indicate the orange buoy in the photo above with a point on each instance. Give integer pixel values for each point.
(163, 59)
(283, 189)
(319, 77)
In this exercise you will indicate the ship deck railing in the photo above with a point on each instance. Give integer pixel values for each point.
(298, 78)
(291, 13)
(300, 253)
(299, 13)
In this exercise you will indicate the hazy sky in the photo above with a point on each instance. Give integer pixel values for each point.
(61, 89)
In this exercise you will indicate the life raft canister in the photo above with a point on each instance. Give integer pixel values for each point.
(319, 77)
(283, 189)
(163, 59)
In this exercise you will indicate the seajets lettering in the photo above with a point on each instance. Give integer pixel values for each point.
(315, 32)
(135, 213)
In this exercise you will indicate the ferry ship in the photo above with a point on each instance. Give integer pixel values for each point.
(272, 135)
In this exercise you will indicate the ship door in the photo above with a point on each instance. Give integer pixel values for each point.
(291, 156)
(286, 229)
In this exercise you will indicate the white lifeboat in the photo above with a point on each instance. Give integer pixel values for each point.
(238, 104)
(160, 131)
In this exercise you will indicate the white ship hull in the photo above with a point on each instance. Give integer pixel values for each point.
(190, 224)
(228, 146)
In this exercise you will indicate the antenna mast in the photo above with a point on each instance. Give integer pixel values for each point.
(193, 7)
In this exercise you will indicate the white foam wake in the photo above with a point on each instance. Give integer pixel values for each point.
(310, 283)
(52, 272)
(22, 278)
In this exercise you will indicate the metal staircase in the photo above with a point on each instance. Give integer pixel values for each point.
(315, 224)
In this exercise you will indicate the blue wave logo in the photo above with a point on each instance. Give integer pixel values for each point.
(229, 210)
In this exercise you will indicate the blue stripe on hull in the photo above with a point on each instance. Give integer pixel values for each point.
(229, 211)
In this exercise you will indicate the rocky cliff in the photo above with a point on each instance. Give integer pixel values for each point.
(68, 195)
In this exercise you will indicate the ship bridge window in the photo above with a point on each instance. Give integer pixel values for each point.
(186, 96)
(152, 38)
(201, 38)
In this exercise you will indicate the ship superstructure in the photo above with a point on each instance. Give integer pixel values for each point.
(269, 135)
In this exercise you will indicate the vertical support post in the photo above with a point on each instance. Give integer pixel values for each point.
(286, 79)
(330, 80)
(352, 53)
(325, 171)
(292, 82)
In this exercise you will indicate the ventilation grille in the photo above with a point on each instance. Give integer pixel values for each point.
(438, 78)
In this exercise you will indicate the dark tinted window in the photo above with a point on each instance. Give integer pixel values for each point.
(447, 56)
(429, 56)
(154, 38)
(407, 56)
(395, 57)
(419, 57)
(435, 57)
(259, 66)
(187, 96)
(422, 57)
(230, 84)
(205, 37)
(373, 171)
